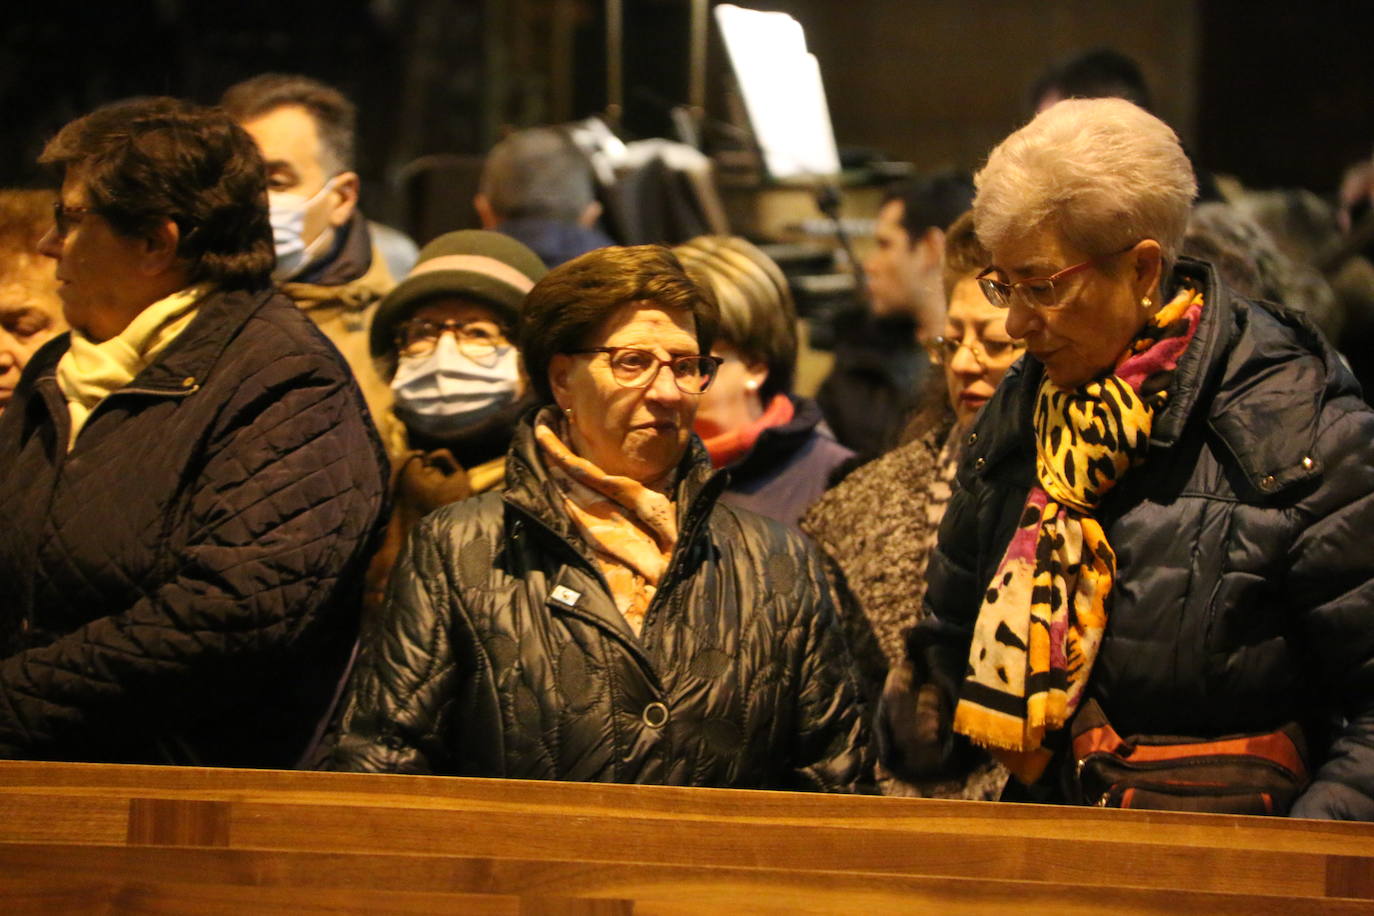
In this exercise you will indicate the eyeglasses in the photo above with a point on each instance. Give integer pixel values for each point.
(477, 340)
(1036, 292)
(635, 368)
(64, 217)
(987, 353)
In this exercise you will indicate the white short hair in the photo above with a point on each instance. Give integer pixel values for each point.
(1103, 172)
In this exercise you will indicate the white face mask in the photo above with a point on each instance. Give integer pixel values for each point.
(287, 213)
(446, 392)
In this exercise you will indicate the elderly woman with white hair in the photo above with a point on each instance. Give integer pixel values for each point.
(1153, 586)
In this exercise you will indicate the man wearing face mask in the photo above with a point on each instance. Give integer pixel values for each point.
(327, 258)
(442, 338)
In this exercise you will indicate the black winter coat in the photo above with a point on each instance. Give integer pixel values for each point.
(503, 654)
(1244, 594)
(182, 586)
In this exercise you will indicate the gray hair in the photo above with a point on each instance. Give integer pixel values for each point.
(1103, 172)
(537, 173)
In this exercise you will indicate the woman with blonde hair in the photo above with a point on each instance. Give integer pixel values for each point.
(30, 311)
(778, 449)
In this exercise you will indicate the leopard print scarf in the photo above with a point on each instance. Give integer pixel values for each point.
(1044, 613)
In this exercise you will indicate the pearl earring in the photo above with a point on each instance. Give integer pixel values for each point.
(751, 385)
(567, 412)
(1145, 302)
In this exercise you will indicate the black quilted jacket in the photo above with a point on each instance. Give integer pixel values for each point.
(182, 586)
(1245, 547)
(502, 652)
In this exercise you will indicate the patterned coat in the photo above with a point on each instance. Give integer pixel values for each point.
(502, 652)
(1244, 594)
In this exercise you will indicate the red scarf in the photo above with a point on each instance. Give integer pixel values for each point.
(732, 445)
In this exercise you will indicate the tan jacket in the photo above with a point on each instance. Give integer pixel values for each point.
(344, 313)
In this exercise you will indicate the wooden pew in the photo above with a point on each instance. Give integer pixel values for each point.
(78, 838)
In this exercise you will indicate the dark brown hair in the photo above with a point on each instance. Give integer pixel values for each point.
(143, 161)
(566, 307)
(336, 118)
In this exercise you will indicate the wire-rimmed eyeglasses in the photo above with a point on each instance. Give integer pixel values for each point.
(478, 340)
(987, 353)
(1035, 292)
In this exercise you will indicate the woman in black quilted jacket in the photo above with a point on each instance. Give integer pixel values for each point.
(604, 617)
(1162, 518)
(188, 480)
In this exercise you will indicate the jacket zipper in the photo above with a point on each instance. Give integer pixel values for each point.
(1192, 761)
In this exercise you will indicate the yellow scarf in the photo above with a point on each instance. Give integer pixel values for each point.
(89, 372)
(630, 527)
(1045, 611)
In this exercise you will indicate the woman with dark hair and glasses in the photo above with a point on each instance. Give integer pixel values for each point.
(603, 617)
(189, 484)
(442, 339)
(1157, 558)
(879, 523)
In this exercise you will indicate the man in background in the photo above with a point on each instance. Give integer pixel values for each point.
(328, 259)
(880, 361)
(538, 188)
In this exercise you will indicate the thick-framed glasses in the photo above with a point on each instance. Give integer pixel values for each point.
(635, 368)
(987, 353)
(65, 217)
(1036, 292)
(477, 340)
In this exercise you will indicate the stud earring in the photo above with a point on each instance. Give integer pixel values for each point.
(751, 385)
(567, 412)
(1145, 302)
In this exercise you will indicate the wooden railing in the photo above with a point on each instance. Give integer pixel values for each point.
(77, 838)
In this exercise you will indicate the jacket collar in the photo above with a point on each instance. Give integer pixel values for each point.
(1225, 378)
(776, 445)
(353, 277)
(530, 489)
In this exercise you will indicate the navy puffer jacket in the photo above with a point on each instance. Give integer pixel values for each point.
(182, 586)
(502, 652)
(1244, 595)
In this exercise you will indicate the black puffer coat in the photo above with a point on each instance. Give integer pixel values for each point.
(182, 586)
(1244, 595)
(503, 654)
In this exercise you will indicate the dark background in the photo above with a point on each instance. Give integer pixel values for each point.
(1275, 94)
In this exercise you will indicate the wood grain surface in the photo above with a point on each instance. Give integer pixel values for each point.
(78, 838)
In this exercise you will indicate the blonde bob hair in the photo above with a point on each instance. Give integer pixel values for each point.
(1104, 173)
(757, 315)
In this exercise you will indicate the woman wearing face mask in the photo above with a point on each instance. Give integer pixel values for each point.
(604, 617)
(442, 338)
(879, 523)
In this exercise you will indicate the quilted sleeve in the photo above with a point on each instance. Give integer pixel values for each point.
(403, 686)
(832, 733)
(1331, 584)
(278, 508)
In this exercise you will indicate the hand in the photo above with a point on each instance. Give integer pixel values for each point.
(912, 726)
